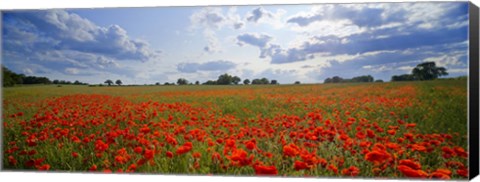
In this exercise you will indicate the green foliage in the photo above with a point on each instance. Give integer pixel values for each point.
(428, 71)
(404, 77)
(182, 81)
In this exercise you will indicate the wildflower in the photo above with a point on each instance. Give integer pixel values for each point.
(265, 170)
(409, 172)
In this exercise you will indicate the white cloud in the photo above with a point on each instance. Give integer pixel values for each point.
(72, 71)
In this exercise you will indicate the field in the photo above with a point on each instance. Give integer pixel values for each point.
(394, 130)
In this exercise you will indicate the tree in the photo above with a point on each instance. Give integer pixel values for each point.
(273, 82)
(182, 81)
(379, 81)
(118, 82)
(77, 82)
(404, 77)
(256, 81)
(297, 82)
(56, 82)
(337, 79)
(264, 81)
(428, 71)
(197, 83)
(365, 78)
(246, 81)
(108, 82)
(224, 79)
(236, 80)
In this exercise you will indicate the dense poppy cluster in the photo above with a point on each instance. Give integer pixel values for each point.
(316, 131)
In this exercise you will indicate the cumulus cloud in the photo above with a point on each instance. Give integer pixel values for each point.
(220, 65)
(211, 19)
(72, 71)
(383, 34)
(67, 42)
(254, 39)
(258, 13)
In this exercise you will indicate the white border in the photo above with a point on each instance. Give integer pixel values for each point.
(53, 4)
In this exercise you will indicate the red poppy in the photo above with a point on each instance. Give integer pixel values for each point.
(377, 156)
(410, 163)
(138, 150)
(462, 172)
(148, 154)
(351, 171)
(409, 172)
(74, 154)
(184, 149)
(299, 165)
(265, 170)
(290, 150)
(169, 154)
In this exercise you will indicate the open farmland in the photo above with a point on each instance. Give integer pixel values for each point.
(401, 129)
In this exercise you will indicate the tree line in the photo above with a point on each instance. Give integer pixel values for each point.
(226, 79)
(364, 78)
(423, 71)
(11, 78)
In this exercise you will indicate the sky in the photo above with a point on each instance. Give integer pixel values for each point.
(288, 43)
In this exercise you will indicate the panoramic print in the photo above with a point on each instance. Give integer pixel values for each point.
(311, 90)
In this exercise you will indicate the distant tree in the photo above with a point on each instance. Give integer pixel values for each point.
(108, 82)
(365, 78)
(157, 83)
(236, 80)
(197, 82)
(77, 82)
(56, 81)
(210, 82)
(328, 80)
(404, 77)
(273, 82)
(337, 79)
(182, 81)
(428, 71)
(256, 81)
(264, 81)
(379, 81)
(166, 83)
(297, 82)
(246, 81)
(118, 82)
(224, 79)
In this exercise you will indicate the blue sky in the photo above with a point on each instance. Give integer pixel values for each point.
(307, 43)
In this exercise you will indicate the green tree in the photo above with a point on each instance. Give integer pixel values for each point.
(118, 82)
(182, 81)
(108, 82)
(236, 80)
(428, 71)
(246, 81)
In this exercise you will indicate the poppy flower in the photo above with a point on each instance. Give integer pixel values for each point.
(299, 165)
(265, 170)
(410, 163)
(377, 156)
(148, 154)
(138, 150)
(169, 154)
(351, 171)
(409, 172)
(184, 149)
(290, 150)
(462, 172)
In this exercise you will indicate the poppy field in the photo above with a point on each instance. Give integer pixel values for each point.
(393, 130)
